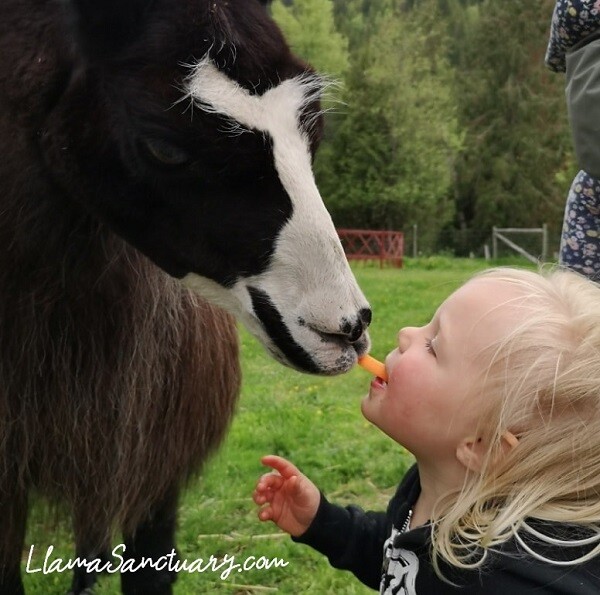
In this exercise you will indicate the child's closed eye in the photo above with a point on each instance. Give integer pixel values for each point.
(429, 346)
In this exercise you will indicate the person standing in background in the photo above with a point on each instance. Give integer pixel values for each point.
(574, 48)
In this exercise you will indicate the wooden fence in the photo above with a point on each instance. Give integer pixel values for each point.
(499, 233)
(368, 244)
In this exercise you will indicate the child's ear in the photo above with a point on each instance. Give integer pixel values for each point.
(470, 453)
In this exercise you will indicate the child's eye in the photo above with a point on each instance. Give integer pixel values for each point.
(429, 346)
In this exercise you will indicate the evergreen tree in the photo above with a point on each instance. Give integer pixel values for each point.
(310, 29)
(450, 118)
(393, 157)
(517, 142)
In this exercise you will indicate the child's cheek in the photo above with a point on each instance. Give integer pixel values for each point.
(408, 384)
(409, 374)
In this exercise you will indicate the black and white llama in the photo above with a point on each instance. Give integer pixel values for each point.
(151, 152)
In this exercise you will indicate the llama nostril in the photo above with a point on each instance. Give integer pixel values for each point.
(366, 316)
(356, 333)
(351, 331)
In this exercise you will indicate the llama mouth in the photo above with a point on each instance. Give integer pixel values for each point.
(341, 342)
(333, 338)
(288, 351)
(336, 354)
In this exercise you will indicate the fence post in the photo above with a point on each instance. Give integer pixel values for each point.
(415, 240)
(494, 244)
(544, 242)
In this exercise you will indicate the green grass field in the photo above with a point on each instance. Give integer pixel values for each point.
(314, 421)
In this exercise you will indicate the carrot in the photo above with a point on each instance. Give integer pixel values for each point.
(374, 366)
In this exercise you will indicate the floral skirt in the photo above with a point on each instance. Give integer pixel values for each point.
(580, 240)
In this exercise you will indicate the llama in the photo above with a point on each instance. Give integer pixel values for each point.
(155, 183)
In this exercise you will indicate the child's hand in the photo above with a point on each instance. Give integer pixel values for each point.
(290, 499)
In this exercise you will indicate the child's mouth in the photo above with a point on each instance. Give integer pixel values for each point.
(379, 382)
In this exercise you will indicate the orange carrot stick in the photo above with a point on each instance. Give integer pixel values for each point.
(370, 364)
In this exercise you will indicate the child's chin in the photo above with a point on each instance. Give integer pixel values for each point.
(369, 406)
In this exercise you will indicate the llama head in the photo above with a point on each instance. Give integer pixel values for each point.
(189, 128)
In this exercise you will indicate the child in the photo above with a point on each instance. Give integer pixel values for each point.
(498, 399)
(574, 48)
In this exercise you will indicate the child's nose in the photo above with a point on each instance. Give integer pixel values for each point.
(405, 337)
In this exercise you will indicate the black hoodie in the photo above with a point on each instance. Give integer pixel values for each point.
(355, 540)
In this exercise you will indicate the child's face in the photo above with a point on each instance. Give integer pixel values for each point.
(433, 400)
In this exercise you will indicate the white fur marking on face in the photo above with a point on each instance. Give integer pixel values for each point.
(215, 92)
(276, 112)
(310, 231)
(308, 279)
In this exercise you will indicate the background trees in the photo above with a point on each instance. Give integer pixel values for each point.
(312, 33)
(449, 119)
(512, 171)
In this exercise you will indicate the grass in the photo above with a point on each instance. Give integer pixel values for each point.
(314, 421)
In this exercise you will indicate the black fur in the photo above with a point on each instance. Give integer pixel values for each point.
(106, 404)
(106, 26)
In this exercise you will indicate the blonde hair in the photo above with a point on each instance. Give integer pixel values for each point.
(545, 377)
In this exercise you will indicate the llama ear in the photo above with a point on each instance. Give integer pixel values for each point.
(104, 26)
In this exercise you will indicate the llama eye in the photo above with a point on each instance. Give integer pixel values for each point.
(166, 153)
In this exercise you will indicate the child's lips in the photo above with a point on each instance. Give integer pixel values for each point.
(378, 382)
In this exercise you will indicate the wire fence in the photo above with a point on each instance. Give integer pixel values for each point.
(537, 244)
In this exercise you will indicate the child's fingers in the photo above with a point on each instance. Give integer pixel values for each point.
(266, 488)
(281, 465)
(265, 514)
(293, 486)
(260, 496)
(270, 481)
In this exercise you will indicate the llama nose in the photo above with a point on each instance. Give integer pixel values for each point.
(354, 331)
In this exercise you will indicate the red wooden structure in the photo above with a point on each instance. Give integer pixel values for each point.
(369, 244)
